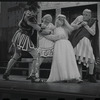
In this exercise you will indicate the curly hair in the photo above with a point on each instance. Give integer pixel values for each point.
(47, 17)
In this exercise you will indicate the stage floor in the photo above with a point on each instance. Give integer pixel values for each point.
(19, 85)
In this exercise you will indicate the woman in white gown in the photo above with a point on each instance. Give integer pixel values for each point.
(64, 65)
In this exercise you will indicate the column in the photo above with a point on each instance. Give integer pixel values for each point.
(98, 17)
(58, 11)
(39, 21)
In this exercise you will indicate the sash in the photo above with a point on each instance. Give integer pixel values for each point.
(78, 34)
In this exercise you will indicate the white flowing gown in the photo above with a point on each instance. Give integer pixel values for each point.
(64, 66)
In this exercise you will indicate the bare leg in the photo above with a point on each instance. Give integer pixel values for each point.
(80, 69)
(11, 62)
(36, 63)
(34, 75)
(91, 77)
(34, 54)
(91, 68)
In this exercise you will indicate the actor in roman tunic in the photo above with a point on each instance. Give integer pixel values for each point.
(21, 39)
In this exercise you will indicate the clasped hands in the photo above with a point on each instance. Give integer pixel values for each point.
(46, 32)
(84, 23)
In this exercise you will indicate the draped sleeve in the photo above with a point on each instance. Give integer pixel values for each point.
(95, 41)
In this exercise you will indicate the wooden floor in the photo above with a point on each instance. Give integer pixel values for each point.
(18, 88)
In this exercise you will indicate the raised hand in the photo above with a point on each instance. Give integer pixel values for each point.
(84, 23)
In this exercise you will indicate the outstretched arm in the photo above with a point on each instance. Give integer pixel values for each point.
(55, 37)
(31, 20)
(45, 32)
(75, 23)
(35, 26)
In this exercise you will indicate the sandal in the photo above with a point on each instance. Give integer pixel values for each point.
(79, 81)
(33, 78)
(28, 78)
(36, 80)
